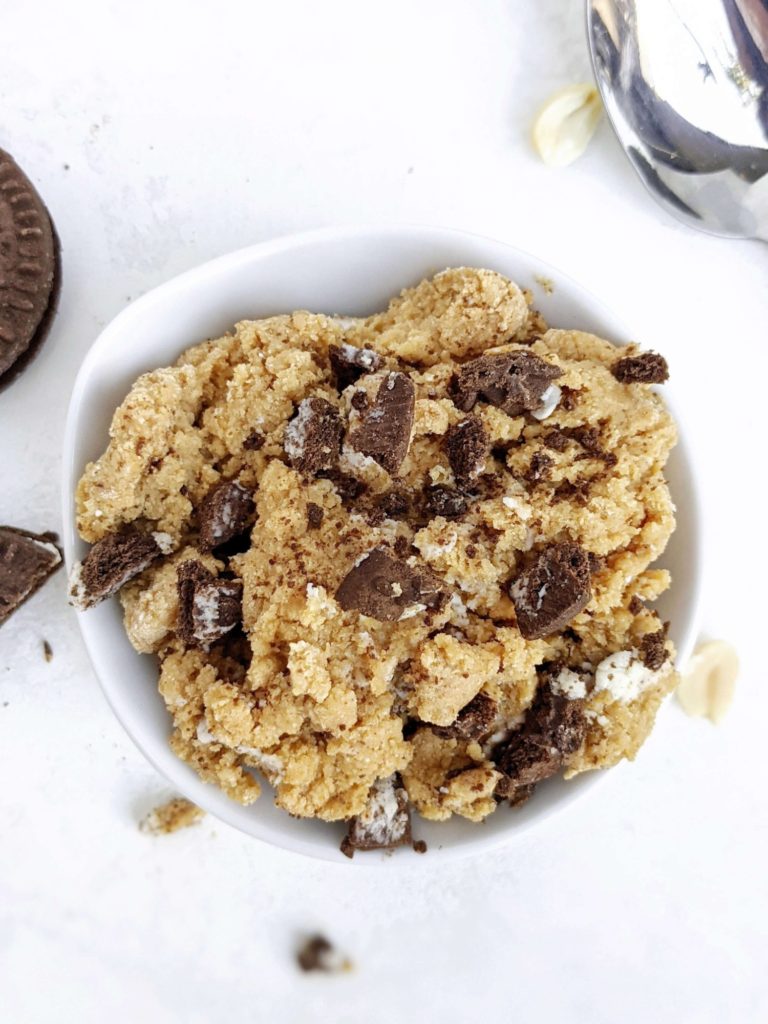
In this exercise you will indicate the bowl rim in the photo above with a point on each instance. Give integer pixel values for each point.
(161, 295)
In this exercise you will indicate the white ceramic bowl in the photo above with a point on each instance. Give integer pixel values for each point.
(345, 271)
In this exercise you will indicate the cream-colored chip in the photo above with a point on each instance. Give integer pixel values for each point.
(566, 122)
(709, 681)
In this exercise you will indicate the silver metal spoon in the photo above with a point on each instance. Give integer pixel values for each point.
(685, 84)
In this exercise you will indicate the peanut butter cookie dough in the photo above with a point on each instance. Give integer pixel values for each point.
(395, 562)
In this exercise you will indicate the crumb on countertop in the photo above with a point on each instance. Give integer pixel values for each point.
(171, 816)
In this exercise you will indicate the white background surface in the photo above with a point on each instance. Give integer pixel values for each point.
(162, 134)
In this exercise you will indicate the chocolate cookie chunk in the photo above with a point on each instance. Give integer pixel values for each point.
(29, 269)
(445, 501)
(388, 589)
(384, 433)
(318, 954)
(553, 729)
(647, 368)
(474, 721)
(552, 591)
(26, 561)
(225, 513)
(513, 381)
(653, 649)
(209, 607)
(112, 562)
(312, 439)
(349, 363)
(467, 447)
(384, 824)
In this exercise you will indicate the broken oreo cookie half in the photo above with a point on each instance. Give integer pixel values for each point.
(384, 433)
(515, 382)
(29, 269)
(209, 607)
(112, 562)
(384, 824)
(26, 561)
(552, 590)
(388, 589)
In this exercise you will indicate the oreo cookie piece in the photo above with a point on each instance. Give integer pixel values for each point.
(515, 382)
(388, 589)
(554, 727)
(112, 562)
(349, 363)
(29, 269)
(209, 607)
(224, 514)
(552, 590)
(312, 439)
(384, 824)
(467, 447)
(384, 433)
(26, 561)
(647, 368)
(474, 721)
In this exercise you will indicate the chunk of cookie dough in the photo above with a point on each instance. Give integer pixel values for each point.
(422, 540)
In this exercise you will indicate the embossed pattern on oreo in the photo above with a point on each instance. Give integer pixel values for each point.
(28, 263)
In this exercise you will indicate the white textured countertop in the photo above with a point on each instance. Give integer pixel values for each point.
(161, 135)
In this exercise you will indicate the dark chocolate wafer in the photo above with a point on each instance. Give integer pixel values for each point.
(29, 269)
(26, 561)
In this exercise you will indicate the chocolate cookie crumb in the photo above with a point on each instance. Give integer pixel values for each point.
(388, 589)
(348, 363)
(384, 433)
(552, 591)
(419, 846)
(636, 605)
(317, 954)
(556, 439)
(348, 487)
(315, 516)
(254, 442)
(224, 514)
(394, 504)
(209, 607)
(445, 501)
(653, 649)
(359, 401)
(26, 562)
(384, 824)
(47, 651)
(467, 447)
(112, 562)
(539, 467)
(513, 381)
(312, 439)
(647, 368)
(569, 397)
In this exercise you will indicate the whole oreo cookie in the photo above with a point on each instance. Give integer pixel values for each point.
(29, 269)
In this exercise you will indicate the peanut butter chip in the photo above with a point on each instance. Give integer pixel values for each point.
(709, 681)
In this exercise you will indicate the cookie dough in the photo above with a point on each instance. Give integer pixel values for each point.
(406, 554)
